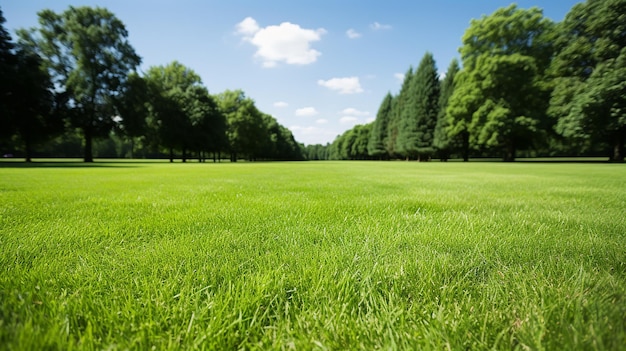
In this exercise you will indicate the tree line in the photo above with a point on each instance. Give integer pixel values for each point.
(72, 83)
(524, 85)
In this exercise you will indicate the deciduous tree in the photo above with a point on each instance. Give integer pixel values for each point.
(589, 98)
(89, 57)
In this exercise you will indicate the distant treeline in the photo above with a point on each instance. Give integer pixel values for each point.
(70, 87)
(527, 86)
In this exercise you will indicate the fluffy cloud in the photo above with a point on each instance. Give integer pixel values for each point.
(313, 135)
(247, 27)
(348, 120)
(280, 104)
(370, 120)
(321, 121)
(352, 34)
(286, 42)
(399, 76)
(348, 85)
(354, 112)
(378, 26)
(306, 112)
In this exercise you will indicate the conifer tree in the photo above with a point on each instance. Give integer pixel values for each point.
(441, 140)
(378, 136)
(419, 115)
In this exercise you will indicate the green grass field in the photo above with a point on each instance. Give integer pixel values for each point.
(312, 255)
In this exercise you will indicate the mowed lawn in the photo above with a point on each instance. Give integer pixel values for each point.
(313, 255)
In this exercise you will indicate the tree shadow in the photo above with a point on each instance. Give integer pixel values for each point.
(66, 164)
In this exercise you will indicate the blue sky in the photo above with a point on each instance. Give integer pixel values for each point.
(319, 67)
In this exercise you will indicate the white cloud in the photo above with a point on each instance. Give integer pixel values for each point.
(352, 34)
(313, 135)
(248, 27)
(378, 26)
(280, 104)
(287, 42)
(348, 120)
(370, 120)
(354, 112)
(306, 112)
(321, 121)
(348, 85)
(399, 76)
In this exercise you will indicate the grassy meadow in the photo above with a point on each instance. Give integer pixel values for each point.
(312, 255)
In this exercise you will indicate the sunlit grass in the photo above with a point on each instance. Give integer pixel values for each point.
(327, 255)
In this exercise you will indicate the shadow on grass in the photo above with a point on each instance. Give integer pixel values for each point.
(67, 164)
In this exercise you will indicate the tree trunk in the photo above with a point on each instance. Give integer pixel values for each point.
(28, 149)
(509, 155)
(618, 147)
(132, 147)
(88, 144)
(171, 155)
(184, 155)
(465, 137)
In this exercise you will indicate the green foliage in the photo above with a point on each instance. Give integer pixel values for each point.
(441, 140)
(28, 111)
(279, 256)
(589, 70)
(7, 61)
(419, 112)
(398, 104)
(376, 145)
(505, 56)
(88, 56)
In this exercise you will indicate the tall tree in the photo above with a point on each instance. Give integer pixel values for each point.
(36, 118)
(419, 115)
(376, 145)
(245, 127)
(8, 74)
(132, 109)
(442, 141)
(464, 101)
(171, 92)
(359, 147)
(506, 55)
(589, 95)
(88, 56)
(398, 105)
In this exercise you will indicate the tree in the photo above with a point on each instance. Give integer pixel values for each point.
(464, 101)
(419, 114)
(398, 105)
(441, 140)
(358, 149)
(376, 145)
(178, 104)
(505, 55)
(88, 55)
(589, 69)
(245, 127)
(131, 107)
(8, 74)
(208, 125)
(33, 104)
(27, 104)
